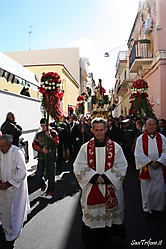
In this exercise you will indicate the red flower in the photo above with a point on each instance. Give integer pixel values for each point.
(133, 95)
(140, 84)
(71, 108)
(50, 77)
(134, 111)
(42, 90)
(60, 95)
(146, 95)
(80, 98)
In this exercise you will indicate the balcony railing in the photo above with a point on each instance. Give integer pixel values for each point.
(125, 81)
(140, 50)
(122, 56)
(127, 76)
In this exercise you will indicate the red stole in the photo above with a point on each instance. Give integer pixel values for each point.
(145, 172)
(95, 196)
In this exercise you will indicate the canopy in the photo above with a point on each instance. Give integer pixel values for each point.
(15, 72)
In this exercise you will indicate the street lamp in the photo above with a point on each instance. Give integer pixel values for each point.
(106, 54)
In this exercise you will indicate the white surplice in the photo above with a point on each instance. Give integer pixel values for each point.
(152, 190)
(97, 215)
(14, 201)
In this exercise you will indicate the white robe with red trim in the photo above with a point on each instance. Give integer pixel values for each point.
(152, 190)
(96, 216)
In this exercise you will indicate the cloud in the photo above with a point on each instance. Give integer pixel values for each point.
(100, 66)
(111, 31)
(86, 46)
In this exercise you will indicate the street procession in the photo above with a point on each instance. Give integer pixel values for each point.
(83, 156)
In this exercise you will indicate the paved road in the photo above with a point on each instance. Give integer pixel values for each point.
(56, 224)
(141, 233)
(53, 224)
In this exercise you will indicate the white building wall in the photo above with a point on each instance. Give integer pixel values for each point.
(27, 112)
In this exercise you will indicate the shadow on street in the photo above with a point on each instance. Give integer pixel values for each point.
(141, 233)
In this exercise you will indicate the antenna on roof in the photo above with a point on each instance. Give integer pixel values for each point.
(30, 32)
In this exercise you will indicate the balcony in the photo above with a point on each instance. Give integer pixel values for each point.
(121, 88)
(121, 61)
(127, 77)
(125, 82)
(141, 56)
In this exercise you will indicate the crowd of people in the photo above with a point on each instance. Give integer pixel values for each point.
(99, 151)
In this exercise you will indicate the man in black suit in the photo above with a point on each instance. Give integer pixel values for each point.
(74, 137)
(162, 126)
(12, 128)
(113, 132)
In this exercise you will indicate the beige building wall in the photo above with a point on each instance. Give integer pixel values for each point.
(69, 57)
(8, 86)
(64, 61)
(68, 84)
(126, 104)
(16, 88)
(71, 90)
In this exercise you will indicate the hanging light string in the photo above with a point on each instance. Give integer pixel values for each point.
(106, 54)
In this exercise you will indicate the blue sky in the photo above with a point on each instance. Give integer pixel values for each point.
(95, 26)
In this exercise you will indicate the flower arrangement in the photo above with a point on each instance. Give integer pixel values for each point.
(139, 88)
(80, 105)
(140, 84)
(140, 104)
(49, 87)
(50, 81)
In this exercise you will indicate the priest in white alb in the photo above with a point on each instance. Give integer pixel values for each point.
(14, 201)
(100, 168)
(150, 158)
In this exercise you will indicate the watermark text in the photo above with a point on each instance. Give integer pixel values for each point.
(144, 242)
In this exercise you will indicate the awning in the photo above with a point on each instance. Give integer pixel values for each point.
(15, 72)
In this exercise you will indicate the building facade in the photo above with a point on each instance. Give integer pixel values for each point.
(145, 57)
(27, 110)
(64, 61)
